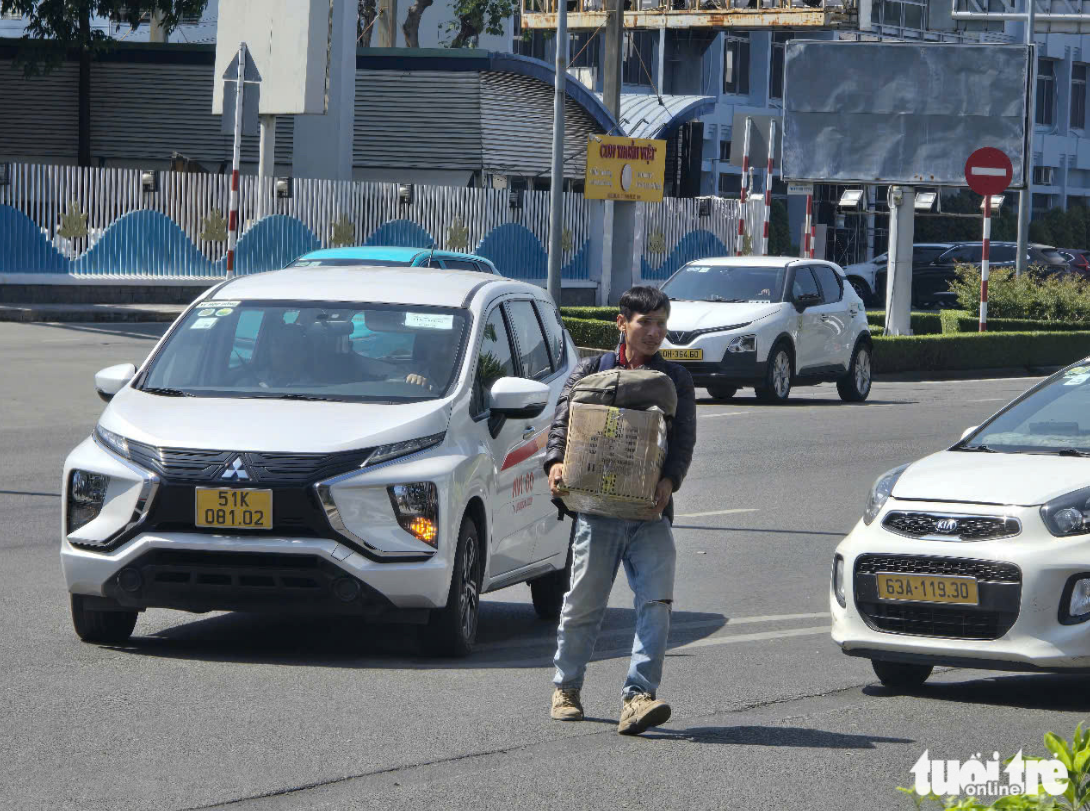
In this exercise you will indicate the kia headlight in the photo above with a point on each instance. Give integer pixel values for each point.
(416, 506)
(880, 492)
(86, 495)
(384, 453)
(113, 442)
(743, 343)
(838, 581)
(1069, 515)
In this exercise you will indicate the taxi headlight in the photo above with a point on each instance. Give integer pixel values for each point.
(1068, 515)
(86, 495)
(416, 506)
(880, 492)
(111, 441)
(386, 453)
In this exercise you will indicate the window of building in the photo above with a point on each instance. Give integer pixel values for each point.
(736, 63)
(584, 50)
(1042, 202)
(724, 150)
(1046, 92)
(775, 75)
(900, 14)
(1078, 96)
(530, 42)
(639, 57)
(730, 185)
(1042, 176)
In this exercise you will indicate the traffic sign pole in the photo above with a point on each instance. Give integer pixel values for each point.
(806, 236)
(232, 217)
(740, 246)
(768, 191)
(985, 262)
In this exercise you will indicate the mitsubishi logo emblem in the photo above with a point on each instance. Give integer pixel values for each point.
(235, 470)
(947, 526)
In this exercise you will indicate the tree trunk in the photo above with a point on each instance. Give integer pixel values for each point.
(84, 150)
(368, 12)
(470, 29)
(411, 26)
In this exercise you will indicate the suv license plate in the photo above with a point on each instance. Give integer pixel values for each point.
(682, 354)
(233, 508)
(924, 589)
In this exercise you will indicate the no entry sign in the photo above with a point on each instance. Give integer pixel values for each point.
(988, 171)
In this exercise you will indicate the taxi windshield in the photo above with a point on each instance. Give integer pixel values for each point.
(1054, 418)
(726, 283)
(305, 350)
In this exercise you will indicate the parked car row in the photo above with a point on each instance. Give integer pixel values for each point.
(934, 267)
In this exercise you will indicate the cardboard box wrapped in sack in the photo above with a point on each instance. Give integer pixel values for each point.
(617, 442)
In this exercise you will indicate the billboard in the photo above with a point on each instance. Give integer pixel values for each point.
(899, 112)
(620, 168)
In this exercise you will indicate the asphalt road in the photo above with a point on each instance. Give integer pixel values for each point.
(253, 712)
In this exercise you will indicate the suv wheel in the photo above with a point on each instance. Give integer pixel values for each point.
(452, 630)
(719, 391)
(107, 627)
(900, 676)
(854, 387)
(548, 591)
(777, 385)
(861, 289)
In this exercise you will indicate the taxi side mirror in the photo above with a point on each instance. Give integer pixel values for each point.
(112, 379)
(518, 398)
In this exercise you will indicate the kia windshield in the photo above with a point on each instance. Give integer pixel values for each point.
(726, 283)
(304, 350)
(1053, 418)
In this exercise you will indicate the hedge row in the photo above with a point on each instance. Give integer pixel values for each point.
(595, 334)
(592, 313)
(955, 321)
(922, 323)
(980, 350)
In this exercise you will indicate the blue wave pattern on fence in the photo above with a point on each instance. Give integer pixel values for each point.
(143, 243)
(401, 234)
(271, 243)
(517, 253)
(694, 245)
(23, 247)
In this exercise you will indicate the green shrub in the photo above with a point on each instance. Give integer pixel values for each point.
(593, 313)
(922, 323)
(592, 333)
(955, 321)
(987, 350)
(1033, 296)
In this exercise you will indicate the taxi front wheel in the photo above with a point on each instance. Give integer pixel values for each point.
(106, 627)
(900, 675)
(452, 630)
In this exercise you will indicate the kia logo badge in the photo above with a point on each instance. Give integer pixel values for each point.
(947, 526)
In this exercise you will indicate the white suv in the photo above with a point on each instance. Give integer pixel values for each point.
(768, 322)
(326, 440)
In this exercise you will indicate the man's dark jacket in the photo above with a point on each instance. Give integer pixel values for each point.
(680, 432)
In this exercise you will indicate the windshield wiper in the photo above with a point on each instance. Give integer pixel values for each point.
(167, 392)
(299, 397)
(975, 449)
(720, 299)
(1069, 452)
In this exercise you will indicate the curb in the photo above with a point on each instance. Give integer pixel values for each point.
(88, 313)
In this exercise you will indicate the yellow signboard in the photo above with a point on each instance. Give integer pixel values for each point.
(625, 169)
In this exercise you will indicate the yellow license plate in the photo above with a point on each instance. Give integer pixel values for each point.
(682, 354)
(232, 508)
(924, 589)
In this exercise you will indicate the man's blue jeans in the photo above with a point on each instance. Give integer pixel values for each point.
(601, 544)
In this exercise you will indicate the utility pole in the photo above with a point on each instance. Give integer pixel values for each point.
(1025, 196)
(899, 282)
(266, 166)
(623, 228)
(556, 184)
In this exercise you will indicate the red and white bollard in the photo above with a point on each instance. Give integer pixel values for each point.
(740, 245)
(985, 262)
(807, 235)
(768, 190)
(232, 217)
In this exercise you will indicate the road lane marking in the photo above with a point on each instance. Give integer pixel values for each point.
(724, 414)
(731, 640)
(989, 400)
(715, 512)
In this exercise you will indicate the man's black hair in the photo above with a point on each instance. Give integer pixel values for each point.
(643, 299)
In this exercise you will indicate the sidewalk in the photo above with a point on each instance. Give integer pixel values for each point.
(87, 313)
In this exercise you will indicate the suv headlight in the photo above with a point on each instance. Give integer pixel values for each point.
(1069, 515)
(384, 453)
(416, 506)
(86, 495)
(880, 491)
(743, 343)
(114, 442)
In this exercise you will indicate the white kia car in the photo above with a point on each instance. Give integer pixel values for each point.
(321, 439)
(768, 322)
(978, 556)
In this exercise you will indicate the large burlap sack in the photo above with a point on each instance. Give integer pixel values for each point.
(638, 389)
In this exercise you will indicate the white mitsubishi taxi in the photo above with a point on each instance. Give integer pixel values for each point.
(326, 440)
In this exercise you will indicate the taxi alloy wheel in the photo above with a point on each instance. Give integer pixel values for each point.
(452, 630)
(105, 627)
(900, 675)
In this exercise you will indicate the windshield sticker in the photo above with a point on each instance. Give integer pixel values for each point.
(215, 304)
(1076, 380)
(429, 321)
(203, 323)
(225, 311)
(205, 313)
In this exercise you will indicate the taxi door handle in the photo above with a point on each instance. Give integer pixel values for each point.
(528, 431)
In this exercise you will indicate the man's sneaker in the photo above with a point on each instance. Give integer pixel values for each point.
(641, 712)
(566, 705)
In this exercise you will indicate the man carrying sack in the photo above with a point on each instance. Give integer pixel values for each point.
(602, 542)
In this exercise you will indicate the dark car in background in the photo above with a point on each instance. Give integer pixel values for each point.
(931, 280)
(1078, 260)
